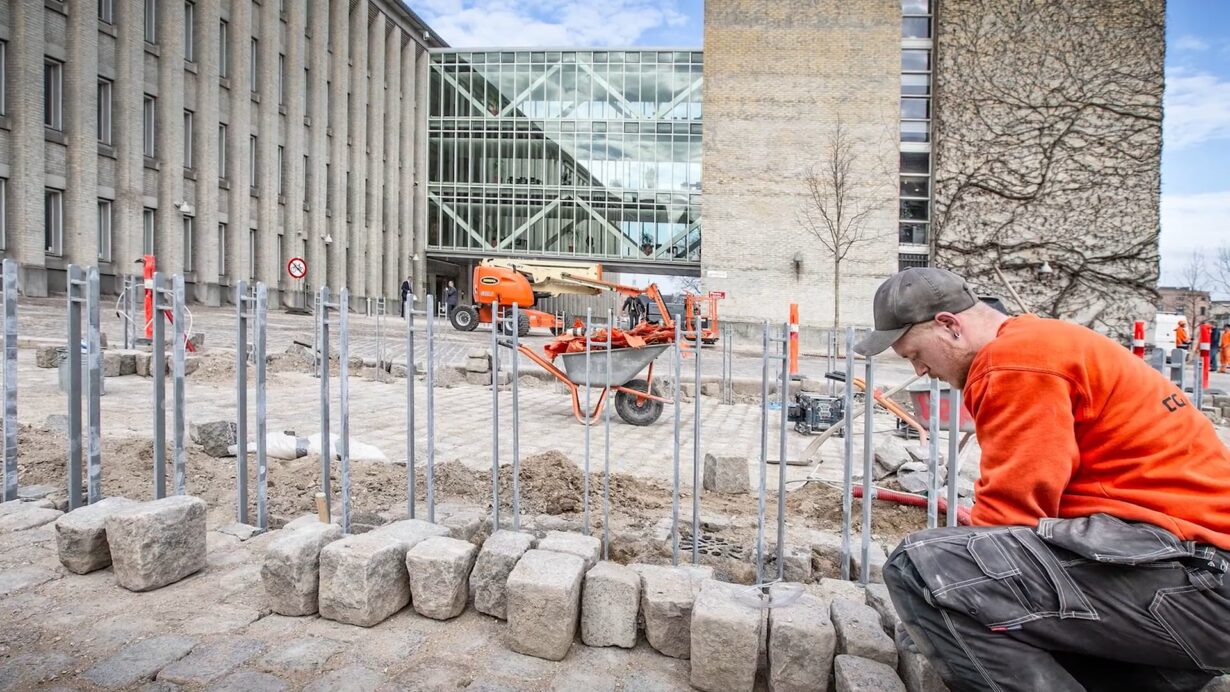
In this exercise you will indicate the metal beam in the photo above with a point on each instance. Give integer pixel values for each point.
(529, 222)
(460, 223)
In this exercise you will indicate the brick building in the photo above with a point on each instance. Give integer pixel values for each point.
(224, 137)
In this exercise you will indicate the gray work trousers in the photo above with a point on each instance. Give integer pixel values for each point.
(1093, 603)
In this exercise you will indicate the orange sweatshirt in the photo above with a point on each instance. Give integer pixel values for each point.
(1072, 424)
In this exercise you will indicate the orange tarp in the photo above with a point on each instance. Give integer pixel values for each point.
(644, 334)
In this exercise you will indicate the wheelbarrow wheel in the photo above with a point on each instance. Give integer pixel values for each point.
(642, 412)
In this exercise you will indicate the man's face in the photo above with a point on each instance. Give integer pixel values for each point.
(931, 349)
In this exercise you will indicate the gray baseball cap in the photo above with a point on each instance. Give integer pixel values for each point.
(912, 296)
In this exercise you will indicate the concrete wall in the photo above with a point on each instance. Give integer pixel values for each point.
(778, 77)
(370, 49)
(1048, 119)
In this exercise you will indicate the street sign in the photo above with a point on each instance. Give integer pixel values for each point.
(717, 295)
(296, 267)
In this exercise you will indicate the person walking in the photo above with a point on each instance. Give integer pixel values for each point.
(1181, 339)
(1223, 345)
(406, 288)
(1100, 534)
(450, 299)
(1214, 347)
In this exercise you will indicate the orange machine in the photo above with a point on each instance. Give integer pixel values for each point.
(507, 286)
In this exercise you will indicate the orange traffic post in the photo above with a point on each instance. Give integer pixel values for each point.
(794, 339)
(1206, 342)
(148, 262)
(1138, 339)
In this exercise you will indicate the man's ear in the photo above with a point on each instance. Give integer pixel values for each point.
(949, 321)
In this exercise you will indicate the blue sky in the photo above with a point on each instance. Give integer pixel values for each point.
(1196, 139)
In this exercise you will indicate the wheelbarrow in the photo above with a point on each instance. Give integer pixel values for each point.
(637, 400)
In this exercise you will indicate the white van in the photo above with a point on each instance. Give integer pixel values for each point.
(1164, 325)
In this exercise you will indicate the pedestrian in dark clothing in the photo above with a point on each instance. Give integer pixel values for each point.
(1214, 342)
(450, 298)
(632, 307)
(406, 288)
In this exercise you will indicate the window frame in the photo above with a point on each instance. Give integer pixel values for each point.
(189, 127)
(224, 44)
(105, 111)
(149, 231)
(106, 225)
(149, 126)
(223, 158)
(189, 31)
(53, 94)
(150, 16)
(53, 222)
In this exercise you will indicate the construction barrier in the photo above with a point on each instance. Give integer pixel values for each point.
(1206, 342)
(1138, 339)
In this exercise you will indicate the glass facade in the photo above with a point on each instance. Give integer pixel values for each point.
(585, 154)
(914, 216)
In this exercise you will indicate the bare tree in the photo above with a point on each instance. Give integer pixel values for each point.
(689, 284)
(841, 203)
(1194, 278)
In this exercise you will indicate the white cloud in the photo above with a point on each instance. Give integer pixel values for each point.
(500, 23)
(1189, 42)
(1192, 222)
(1197, 108)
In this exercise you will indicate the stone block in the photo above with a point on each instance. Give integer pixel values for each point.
(588, 548)
(478, 364)
(499, 554)
(291, 569)
(916, 483)
(363, 578)
(667, 597)
(711, 389)
(50, 356)
(825, 553)
(241, 531)
(544, 601)
(801, 646)
(875, 558)
(855, 674)
(728, 475)
(829, 590)
(29, 493)
(439, 569)
(878, 598)
(920, 676)
(725, 639)
(797, 559)
(111, 362)
(859, 632)
(17, 506)
(216, 437)
(128, 361)
(462, 523)
(81, 535)
(891, 454)
(609, 604)
(157, 543)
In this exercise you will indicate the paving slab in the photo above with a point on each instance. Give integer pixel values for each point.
(15, 579)
(24, 671)
(354, 678)
(27, 517)
(139, 662)
(250, 681)
(303, 655)
(210, 661)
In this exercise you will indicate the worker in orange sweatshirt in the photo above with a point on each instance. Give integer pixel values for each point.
(1101, 520)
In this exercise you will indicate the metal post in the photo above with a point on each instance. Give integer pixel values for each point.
(516, 418)
(1198, 381)
(178, 333)
(262, 462)
(410, 372)
(847, 485)
(869, 427)
(10, 380)
(94, 387)
(696, 450)
(589, 320)
(326, 455)
(158, 366)
(241, 401)
(76, 282)
(343, 383)
(606, 462)
(431, 408)
(678, 397)
(496, 326)
(764, 452)
(781, 464)
(954, 431)
(933, 455)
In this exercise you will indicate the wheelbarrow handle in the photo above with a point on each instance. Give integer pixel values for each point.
(835, 376)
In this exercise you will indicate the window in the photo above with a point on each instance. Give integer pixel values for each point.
(252, 168)
(104, 111)
(223, 170)
(53, 94)
(328, 190)
(104, 230)
(4, 213)
(221, 249)
(914, 131)
(189, 224)
(189, 32)
(281, 79)
(106, 11)
(254, 69)
(53, 222)
(911, 260)
(915, 109)
(4, 77)
(149, 120)
(912, 162)
(281, 169)
(224, 49)
(307, 179)
(252, 254)
(188, 139)
(151, 21)
(916, 27)
(147, 237)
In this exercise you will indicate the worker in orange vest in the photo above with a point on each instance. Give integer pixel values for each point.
(1181, 339)
(1099, 542)
(1224, 347)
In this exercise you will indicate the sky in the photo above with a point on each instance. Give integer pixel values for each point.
(1196, 121)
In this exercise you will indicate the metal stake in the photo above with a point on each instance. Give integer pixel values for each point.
(696, 451)
(343, 379)
(764, 452)
(431, 409)
(847, 485)
(76, 283)
(241, 391)
(496, 325)
(606, 463)
(262, 462)
(678, 396)
(158, 364)
(869, 426)
(94, 387)
(781, 465)
(326, 455)
(10, 380)
(933, 456)
(589, 320)
(178, 333)
(516, 419)
(954, 430)
(410, 373)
